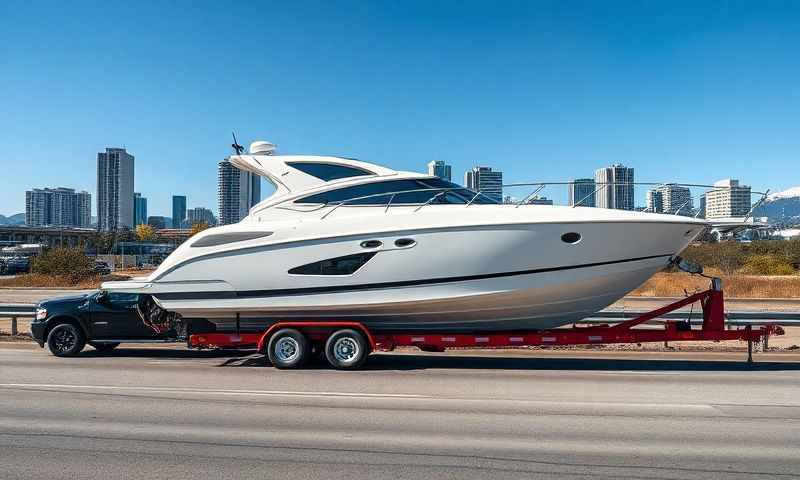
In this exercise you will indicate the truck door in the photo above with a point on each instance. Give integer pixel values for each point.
(114, 315)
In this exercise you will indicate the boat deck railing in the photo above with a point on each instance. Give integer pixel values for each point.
(440, 191)
(537, 187)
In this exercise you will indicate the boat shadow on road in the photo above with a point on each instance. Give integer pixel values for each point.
(471, 362)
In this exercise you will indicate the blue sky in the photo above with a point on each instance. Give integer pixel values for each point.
(683, 91)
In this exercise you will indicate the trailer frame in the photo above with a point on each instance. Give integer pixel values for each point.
(713, 329)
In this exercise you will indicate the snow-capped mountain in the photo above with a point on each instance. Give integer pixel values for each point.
(781, 207)
(793, 192)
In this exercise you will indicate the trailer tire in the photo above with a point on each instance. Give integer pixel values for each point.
(66, 340)
(346, 349)
(288, 348)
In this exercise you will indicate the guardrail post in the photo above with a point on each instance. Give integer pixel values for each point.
(13, 326)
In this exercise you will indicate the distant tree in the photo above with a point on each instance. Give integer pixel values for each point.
(198, 227)
(145, 233)
(125, 235)
(103, 242)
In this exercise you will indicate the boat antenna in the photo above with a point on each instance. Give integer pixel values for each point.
(236, 147)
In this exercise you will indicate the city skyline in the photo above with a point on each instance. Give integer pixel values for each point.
(668, 197)
(689, 94)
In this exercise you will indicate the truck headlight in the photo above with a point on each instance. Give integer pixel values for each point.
(41, 313)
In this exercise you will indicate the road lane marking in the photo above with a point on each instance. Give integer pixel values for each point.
(286, 393)
(283, 393)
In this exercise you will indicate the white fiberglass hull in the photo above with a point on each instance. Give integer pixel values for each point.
(501, 276)
(532, 301)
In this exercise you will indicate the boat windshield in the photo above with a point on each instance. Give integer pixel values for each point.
(408, 191)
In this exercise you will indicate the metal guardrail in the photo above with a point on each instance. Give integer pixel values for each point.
(784, 319)
(16, 310)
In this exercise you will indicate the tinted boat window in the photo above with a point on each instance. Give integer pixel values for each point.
(381, 192)
(335, 266)
(328, 171)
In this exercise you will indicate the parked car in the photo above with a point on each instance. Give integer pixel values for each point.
(14, 265)
(101, 268)
(100, 319)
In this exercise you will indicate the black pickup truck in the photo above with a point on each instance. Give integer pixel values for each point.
(101, 319)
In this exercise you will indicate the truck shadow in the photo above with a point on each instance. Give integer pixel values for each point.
(161, 353)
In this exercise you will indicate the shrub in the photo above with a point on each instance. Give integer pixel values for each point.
(70, 263)
(725, 256)
(765, 264)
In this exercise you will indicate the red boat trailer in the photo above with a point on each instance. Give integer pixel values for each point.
(318, 333)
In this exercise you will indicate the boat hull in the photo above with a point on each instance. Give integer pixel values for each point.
(519, 302)
(453, 276)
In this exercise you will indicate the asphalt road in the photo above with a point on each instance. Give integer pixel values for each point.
(169, 413)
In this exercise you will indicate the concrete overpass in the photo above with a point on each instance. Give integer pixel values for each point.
(50, 236)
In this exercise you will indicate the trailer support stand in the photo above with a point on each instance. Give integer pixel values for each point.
(749, 344)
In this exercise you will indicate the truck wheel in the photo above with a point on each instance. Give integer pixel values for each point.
(346, 349)
(104, 347)
(288, 348)
(65, 340)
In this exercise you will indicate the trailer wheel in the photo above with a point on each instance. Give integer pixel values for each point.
(65, 340)
(288, 348)
(346, 349)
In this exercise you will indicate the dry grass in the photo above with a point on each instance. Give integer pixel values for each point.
(38, 280)
(735, 286)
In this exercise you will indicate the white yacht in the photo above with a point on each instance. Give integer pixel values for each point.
(342, 239)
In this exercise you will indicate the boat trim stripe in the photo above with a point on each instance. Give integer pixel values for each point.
(377, 286)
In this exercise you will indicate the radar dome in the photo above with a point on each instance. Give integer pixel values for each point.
(262, 148)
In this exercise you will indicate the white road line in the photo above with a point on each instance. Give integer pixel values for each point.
(698, 407)
(283, 393)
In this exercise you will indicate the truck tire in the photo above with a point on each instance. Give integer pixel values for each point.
(104, 347)
(288, 348)
(346, 349)
(66, 340)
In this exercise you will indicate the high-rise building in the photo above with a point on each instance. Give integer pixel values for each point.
(670, 198)
(139, 209)
(702, 208)
(157, 221)
(581, 192)
(237, 192)
(440, 169)
(178, 211)
(727, 199)
(63, 207)
(114, 189)
(84, 209)
(677, 199)
(200, 215)
(615, 187)
(486, 181)
(655, 201)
